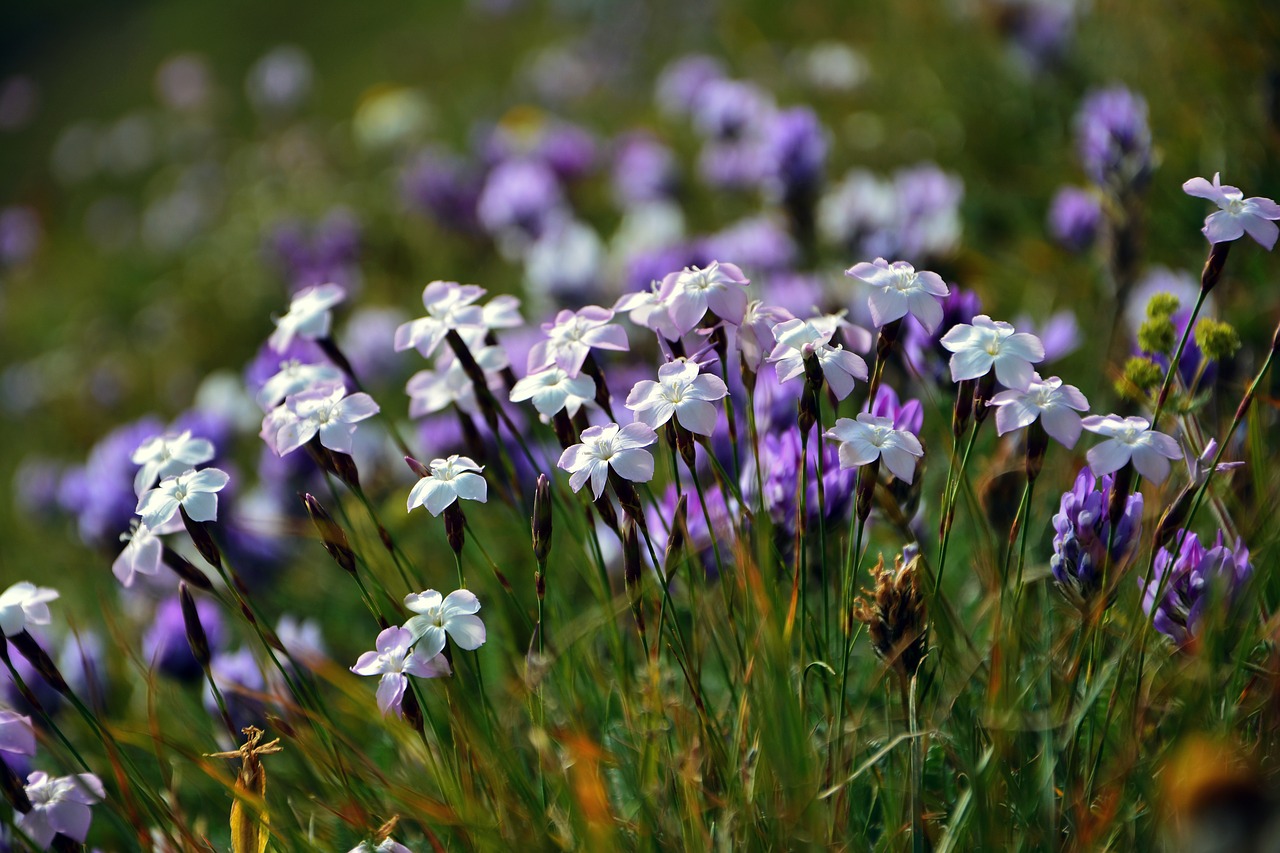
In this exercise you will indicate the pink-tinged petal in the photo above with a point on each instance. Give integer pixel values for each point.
(1024, 346)
(901, 463)
(906, 441)
(657, 414)
(71, 818)
(36, 824)
(634, 435)
(886, 306)
(933, 283)
(1201, 188)
(1163, 445)
(471, 487)
(1072, 397)
(1264, 207)
(839, 381)
(460, 602)
(1108, 457)
(1014, 414)
(16, 734)
(367, 664)
(293, 435)
(1150, 463)
(579, 477)
(849, 362)
(697, 416)
(423, 667)
(1063, 424)
(1222, 227)
(208, 480)
(870, 273)
(391, 692)
(857, 451)
(925, 308)
(1014, 373)
(970, 364)
(1262, 230)
(571, 459)
(729, 303)
(201, 506)
(467, 631)
(845, 429)
(87, 790)
(156, 507)
(635, 465)
(599, 477)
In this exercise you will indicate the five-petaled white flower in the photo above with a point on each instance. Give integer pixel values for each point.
(293, 377)
(574, 334)
(308, 315)
(194, 491)
(1130, 439)
(647, 308)
(449, 308)
(395, 660)
(689, 293)
(798, 339)
(870, 438)
(755, 334)
(438, 615)
(993, 343)
(450, 479)
(326, 411)
(141, 556)
(554, 389)
(448, 384)
(60, 804)
(1238, 215)
(1054, 403)
(165, 455)
(610, 446)
(681, 390)
(501, 312)
(24, 604)
(900, 290)
(17, 737)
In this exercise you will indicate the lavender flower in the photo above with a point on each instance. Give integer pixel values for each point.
(780, 471)
(394, 661)
(795, 152)
(520, 200)
(165, 645)
(444, 187)
(1236, 215)
(1112, 137)
(682, 81)
(100, 494)
(1075, 219)
(60, 805)
(1081, 530)
(19, 236)
(644, 170)
(1188, 581)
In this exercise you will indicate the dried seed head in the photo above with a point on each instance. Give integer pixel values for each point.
(894, 613)
(331, 535)
(541, 521)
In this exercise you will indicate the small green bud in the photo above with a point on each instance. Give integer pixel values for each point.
(1141, 376)
(1163, 306)
(1217, 340)
(1157, 335)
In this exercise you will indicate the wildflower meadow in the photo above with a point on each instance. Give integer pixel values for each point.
(551, 424)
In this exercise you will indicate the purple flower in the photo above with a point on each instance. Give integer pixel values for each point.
(732, 116)
(1075, 218)
(100, 494)
(572, 335)
(927, 222)
(240, 680)
(644, 170)
(520, 199)
(1237, 215)
(444, 187)
(923, 350)
(60, 805)
(394, 661)
(1112, 137)
(907, 416)
(165, 645)
(699, 531)
(17, 737)
(780, 466)
(327, 253)
(1081, 530)
(1188, 582)
(757, 242)
(681, 82)
(19, 236)
(795, 152)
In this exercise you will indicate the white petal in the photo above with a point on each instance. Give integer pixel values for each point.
(467, 631)
(1108, 457)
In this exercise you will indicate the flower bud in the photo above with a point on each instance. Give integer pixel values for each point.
(417, 467)
(196, 636)
(479, 382)
(331, 535)
(40, 659)
(678, 536)
(455, 527)
(1173, 516)
(564, 430)
(591, 368)
(868, 474)
(1213, 266)
(982, 394)
(200, 534)
(182, 567)
(684, 443)
(1141, 376)
(632, 571)
(629, 498)
(412, 711)
(1037, 446)
(1119, 499)
(541, 521)
(963, 408)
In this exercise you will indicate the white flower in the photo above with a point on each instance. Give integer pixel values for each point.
(870, 438)
(755, 334)
(17, 737)
(387, 846)
(1049, 400)
(501, 312)
(449, 308)
(141, 556)
(1237, 215)
(308, 315)
(394, 660)
(987, 343)
(448, 384)
(294, 376)
(689, 293)
(900, 290)
(573, 335)
(452, 478)
(554, 389)
(647, 308)
(60, 805)
(609, 446)
(798, 339)
(1130, 439)
(327, 412)
(681, 390)
(24, 604)
(194, 491)
(165, 455)
(453, 615)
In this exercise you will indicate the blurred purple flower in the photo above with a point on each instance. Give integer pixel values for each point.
(908, 415)
(1075, 218)
(699, 531)
(681, 82)
(165, 646)
(100, 493)
(928, 212)
(20, 235)
(1188, 582)
(240, 680)
(1081, 530)
(644, 170)
(519, 201)
(795, 153)
(443, 187)
(758, 243)
(327, 253)
(1113, 140)
(780, 464)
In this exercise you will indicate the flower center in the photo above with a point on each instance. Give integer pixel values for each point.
(1236, 206)
(604, 449)
(903, 282)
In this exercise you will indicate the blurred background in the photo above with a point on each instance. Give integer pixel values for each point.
(171, 171)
